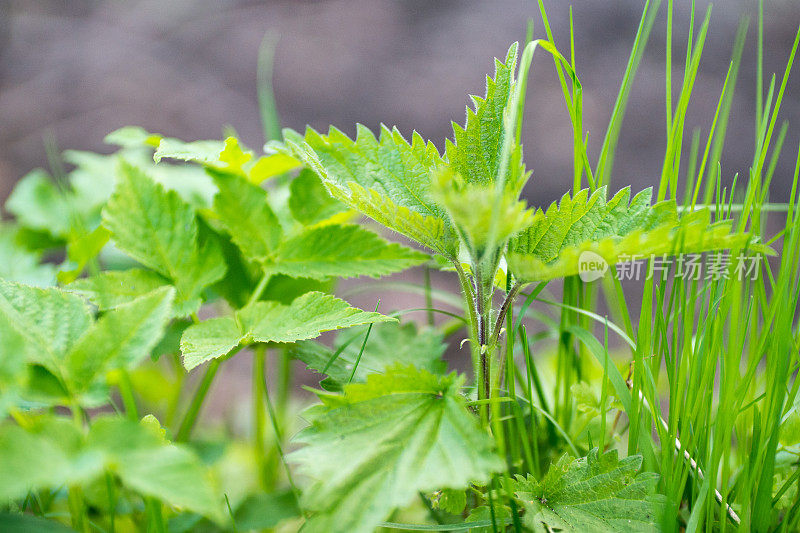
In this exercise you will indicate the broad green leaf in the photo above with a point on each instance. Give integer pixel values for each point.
(593, 494)
(148, 464)
(305, 318)
(617, 230)
(158, 229)
(341, 251)
(22, 265)
(121, 338)
(243, 210)
(39, 325)
(477, 149)
(37, 204)
(388, 344)
(387, 179)
(209, 339)
(374, 448)
(113, 288)
(310, 201)
(451, 501)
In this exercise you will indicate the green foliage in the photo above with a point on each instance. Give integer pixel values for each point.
(373, 448)
(158, 229)
(53, 453)
(305, 318)
(594, 494)
(619, 229)
(388, 343)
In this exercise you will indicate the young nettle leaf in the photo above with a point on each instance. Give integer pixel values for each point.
(245, 213)
(305, 318)
(121, 338)
(387, 179)
(158, 229)
(310, 201)
(473, 210)
(52, 329)
(228, 156)
(316, 252)
(342, 251)
(617, 229)
(373, 449)
(388, 344)
(594, 494)
(38, 204)
(476, 151)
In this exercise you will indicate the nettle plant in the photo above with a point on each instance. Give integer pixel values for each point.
(177, 256)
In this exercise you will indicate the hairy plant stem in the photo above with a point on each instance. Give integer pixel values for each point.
(259, 418)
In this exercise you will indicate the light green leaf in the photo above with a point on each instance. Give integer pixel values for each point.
(387, 179)
(615, 230)
(374, 448)
(310, 201)
(269, 166)
(342, 251)
(594, 494)
(478, 146)
(208, 340)
(148, 464)
(121, 338)
(37, 204)
(243, 210)
(158, 229)
(305, 318)
(132, 137)
(39, 325)
(473, 209)
(268, 321)
(22, 265)
(388, 344)
(197, 151)
(82, 249)
(113, 288)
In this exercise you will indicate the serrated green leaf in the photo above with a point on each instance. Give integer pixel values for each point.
(158, 229)
(388, 344)
(39, 325)
(387, 179)
(121, 338)
(305, 318)
(342, 251)
(478, 146)
(208, 340)
(615, 230)
(113, 288)
(310, 201)
(374, 448)
(243, 210)
(594, 494)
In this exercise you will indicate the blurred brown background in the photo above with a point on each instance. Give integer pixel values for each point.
(81, 68)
